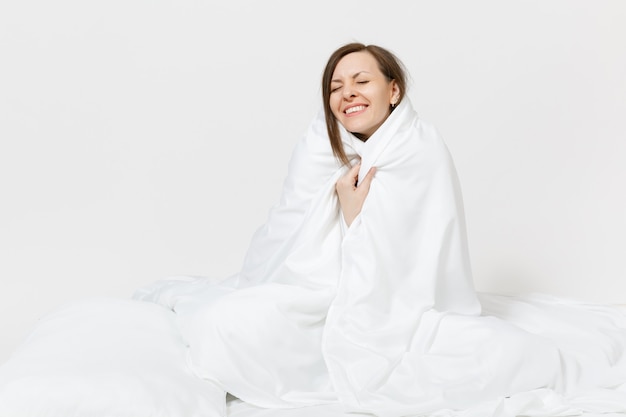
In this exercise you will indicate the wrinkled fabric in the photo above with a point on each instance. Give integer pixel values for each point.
(105, 357)
(381, 317)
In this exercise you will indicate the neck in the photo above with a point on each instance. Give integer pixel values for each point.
(360, 136)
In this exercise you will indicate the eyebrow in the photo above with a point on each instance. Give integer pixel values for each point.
(354, 76)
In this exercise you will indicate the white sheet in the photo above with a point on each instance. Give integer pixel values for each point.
(380, 318)
(384, 318)
(105, 357)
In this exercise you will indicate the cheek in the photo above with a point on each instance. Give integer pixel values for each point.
(334, 106)
(384, 98)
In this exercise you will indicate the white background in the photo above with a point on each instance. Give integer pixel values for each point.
(143, 139)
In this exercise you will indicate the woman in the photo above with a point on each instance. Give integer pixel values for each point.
(358, 289)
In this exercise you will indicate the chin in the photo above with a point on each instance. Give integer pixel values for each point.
(354, 128)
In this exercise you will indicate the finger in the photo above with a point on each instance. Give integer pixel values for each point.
(354, 170)
(350, 177)
(365, 183)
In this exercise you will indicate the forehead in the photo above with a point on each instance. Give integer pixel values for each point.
(356, 62)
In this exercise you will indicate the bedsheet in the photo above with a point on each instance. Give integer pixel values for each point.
(118, 357)
(380, 317)
(105, 357)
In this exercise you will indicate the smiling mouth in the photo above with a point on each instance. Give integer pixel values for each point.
(354, 109)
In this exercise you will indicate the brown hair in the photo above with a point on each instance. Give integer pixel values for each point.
(389, 65)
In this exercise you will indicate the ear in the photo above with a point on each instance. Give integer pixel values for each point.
(395, 93)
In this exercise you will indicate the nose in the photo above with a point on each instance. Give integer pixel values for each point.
(348, 91)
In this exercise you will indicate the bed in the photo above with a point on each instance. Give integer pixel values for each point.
(126, 358)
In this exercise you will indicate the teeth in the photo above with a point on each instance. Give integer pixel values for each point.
(355, 109)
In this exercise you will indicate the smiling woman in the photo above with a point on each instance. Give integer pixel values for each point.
(358, 76)
(361, 96)
(366, 83)
(357, 293)
(358, 290)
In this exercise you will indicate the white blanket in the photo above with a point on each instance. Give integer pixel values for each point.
(382, 316)
(379, 318)
(105, 357)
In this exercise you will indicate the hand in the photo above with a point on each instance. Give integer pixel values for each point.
(352, 195)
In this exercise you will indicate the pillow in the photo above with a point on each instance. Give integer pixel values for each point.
(106, 357)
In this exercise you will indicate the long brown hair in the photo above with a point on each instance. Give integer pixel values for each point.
(389, 65)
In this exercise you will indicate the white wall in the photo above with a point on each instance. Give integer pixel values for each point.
(141, 139)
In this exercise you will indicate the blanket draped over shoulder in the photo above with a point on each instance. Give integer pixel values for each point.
(382, 315)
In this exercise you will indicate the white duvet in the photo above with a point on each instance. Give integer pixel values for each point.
(378, 318)
(105, 357)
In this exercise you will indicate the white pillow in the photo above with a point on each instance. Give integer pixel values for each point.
(106, 357)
